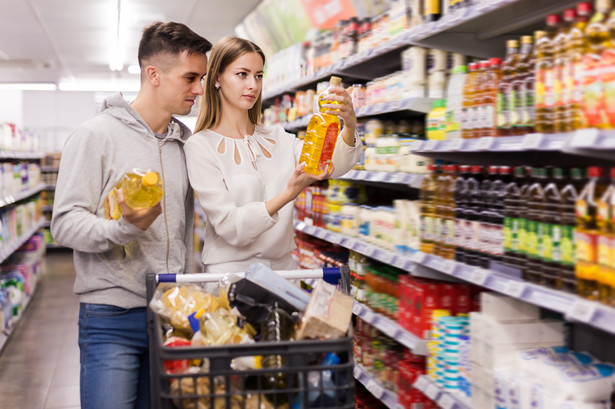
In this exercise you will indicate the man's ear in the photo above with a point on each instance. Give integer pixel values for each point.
(152, 74)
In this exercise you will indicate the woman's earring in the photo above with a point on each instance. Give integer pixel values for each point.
(217, 85)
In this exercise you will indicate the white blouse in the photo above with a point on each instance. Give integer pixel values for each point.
(233, 178)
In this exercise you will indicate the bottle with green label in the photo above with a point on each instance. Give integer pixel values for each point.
(524, 208)
(535, 227)
(552, 221)
(512, 202)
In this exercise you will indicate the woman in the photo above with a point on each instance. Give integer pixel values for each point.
(245, 175)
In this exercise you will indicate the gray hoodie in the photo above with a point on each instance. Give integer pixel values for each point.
(112, 257)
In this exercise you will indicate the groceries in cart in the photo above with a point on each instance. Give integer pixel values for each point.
(256, 309)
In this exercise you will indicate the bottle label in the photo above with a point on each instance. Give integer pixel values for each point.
(508, 233)
(522, 236)
(580, 208)
(449, 232)
(503, 109)
(488, 120)
(577, 79)
(602, 213)
(437, 229)
(551, 239)
(427, 228)
(608, 82)
(592, 90)
(328, 146)
(567, 245)
(544, 87)
(531, 239)
(587, 243)
(516, 107)
(558, 86)
(460, 232)
(605, 250)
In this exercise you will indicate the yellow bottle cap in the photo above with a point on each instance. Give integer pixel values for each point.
(150, 179)
(527, 40)
(512, 44)
(539, 34)
(335, 81)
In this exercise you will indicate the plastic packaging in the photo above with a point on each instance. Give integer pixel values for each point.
(141, 188)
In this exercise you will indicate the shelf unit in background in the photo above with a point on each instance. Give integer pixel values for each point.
(49, 169)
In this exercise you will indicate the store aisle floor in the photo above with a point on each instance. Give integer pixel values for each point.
(39, 367)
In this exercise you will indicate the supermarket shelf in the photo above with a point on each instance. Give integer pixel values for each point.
(5, 201)
(6, 334)
(535, 142)
(412, 180)
(422, 105)
(6, 249)
(445, 400)
(55, 246)
(391, 329)
(47, 208)
(375, 387)
(49, 169)
(10, 154)
(574, 308)
(49, 187)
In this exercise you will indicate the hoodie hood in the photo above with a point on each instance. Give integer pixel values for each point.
(119, 108)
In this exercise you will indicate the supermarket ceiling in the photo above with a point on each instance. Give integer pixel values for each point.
(74, 40)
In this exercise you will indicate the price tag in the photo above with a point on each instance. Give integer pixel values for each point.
(515, 288)
(375, 388)
(378, 176)
(361, 175)
(456, 144)
(446, 401)
(386, 257)
(532, 141)
(449, 266)
(300, 226)
(369, 251)
(485, 143)
(334, 238)
(368, 316)
(357, 372)
(421, 383)
(585, 138)
(418, 257)
(321, 234)
(357, 308)
(397, 177)
(432, 391)
(416, 145)
(431, 145)
(582, 311)
(395, 105)
(479, 276)
(400, 262)
(388, 327)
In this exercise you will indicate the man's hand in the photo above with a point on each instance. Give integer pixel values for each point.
(140, 217)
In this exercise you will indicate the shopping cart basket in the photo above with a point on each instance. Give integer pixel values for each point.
(309, 384)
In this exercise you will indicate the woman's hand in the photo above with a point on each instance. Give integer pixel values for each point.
(345, 109)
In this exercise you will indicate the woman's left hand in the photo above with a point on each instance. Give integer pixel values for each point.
(345, 109)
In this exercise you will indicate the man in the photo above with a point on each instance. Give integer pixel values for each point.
(112, 257)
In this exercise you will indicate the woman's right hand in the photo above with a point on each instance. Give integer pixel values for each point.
(300, 179)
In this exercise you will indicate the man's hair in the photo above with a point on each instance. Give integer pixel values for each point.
(170, 38)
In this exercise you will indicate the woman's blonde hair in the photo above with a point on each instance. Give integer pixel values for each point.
(225, 51)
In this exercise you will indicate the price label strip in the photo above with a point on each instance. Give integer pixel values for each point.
(585, 138)
(421, 383)
(515, 288)
(479, 276)
(532, 141)
(432, 391)
(431, 145)
(375, 388)
(418, 257)
(485, 143)
(456, 144)
(583, 311)
(446, 401)
(449, 267)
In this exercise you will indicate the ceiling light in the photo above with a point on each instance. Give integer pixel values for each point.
(116, 62)
(28, 86)
(134, 69)
(110, 86)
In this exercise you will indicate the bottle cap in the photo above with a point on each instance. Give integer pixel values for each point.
(335, 80)
(495, 61)
(553, 19)
(570, 14)
(539, 34)
(558, 173)
(595, 172)
(584, 8)
(527, 39)
(150, 179)
(504, 170)
(613, 173)
(477, 169)
(512, 44)
(519, 171)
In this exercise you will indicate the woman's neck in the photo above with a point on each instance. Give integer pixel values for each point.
(234, 124)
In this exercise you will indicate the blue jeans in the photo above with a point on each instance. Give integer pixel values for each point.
(114, 357)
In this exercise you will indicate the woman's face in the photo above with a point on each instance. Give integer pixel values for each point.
(242, 81)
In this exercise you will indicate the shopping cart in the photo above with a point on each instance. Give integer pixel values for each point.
(309, 384)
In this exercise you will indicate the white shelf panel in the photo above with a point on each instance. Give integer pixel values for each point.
(375, 387)
(11, 154)
(445, 400)
(5, 201)
(6, 249)
(412, 180)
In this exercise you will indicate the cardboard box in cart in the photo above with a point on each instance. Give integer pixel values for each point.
(244, 388)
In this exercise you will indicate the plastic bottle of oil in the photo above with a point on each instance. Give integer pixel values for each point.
(461, 204)
(545, 76)
(447, 233)
(512, 215)
(569, 193)
(523, 70)
(560, 55)
(469, 93)
(586, 235)
(597, 37)
(551, 232)
(479, 92)
(524, 209)
(533, 270)
(428, 209)
(528, 110)
(606, 240)
(141, 188)
(608, 73)
(439, 209)
(321, 135)
(505, 103)
(488, 118)
(576, 50)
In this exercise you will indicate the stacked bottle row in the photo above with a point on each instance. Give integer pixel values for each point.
(558, 80)
(555, 225)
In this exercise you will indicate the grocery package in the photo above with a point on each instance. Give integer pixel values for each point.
(141, 188)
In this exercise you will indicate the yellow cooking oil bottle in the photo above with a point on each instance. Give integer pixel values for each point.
(141, 188)
(606, 242)
(321, 134)
(586, 234)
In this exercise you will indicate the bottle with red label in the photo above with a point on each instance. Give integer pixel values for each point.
(597, 38)
(488, 116)
(561, 95)
(586, 234)
(545, 76)
(576, 50)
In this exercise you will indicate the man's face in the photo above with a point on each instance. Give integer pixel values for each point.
(181, 83)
